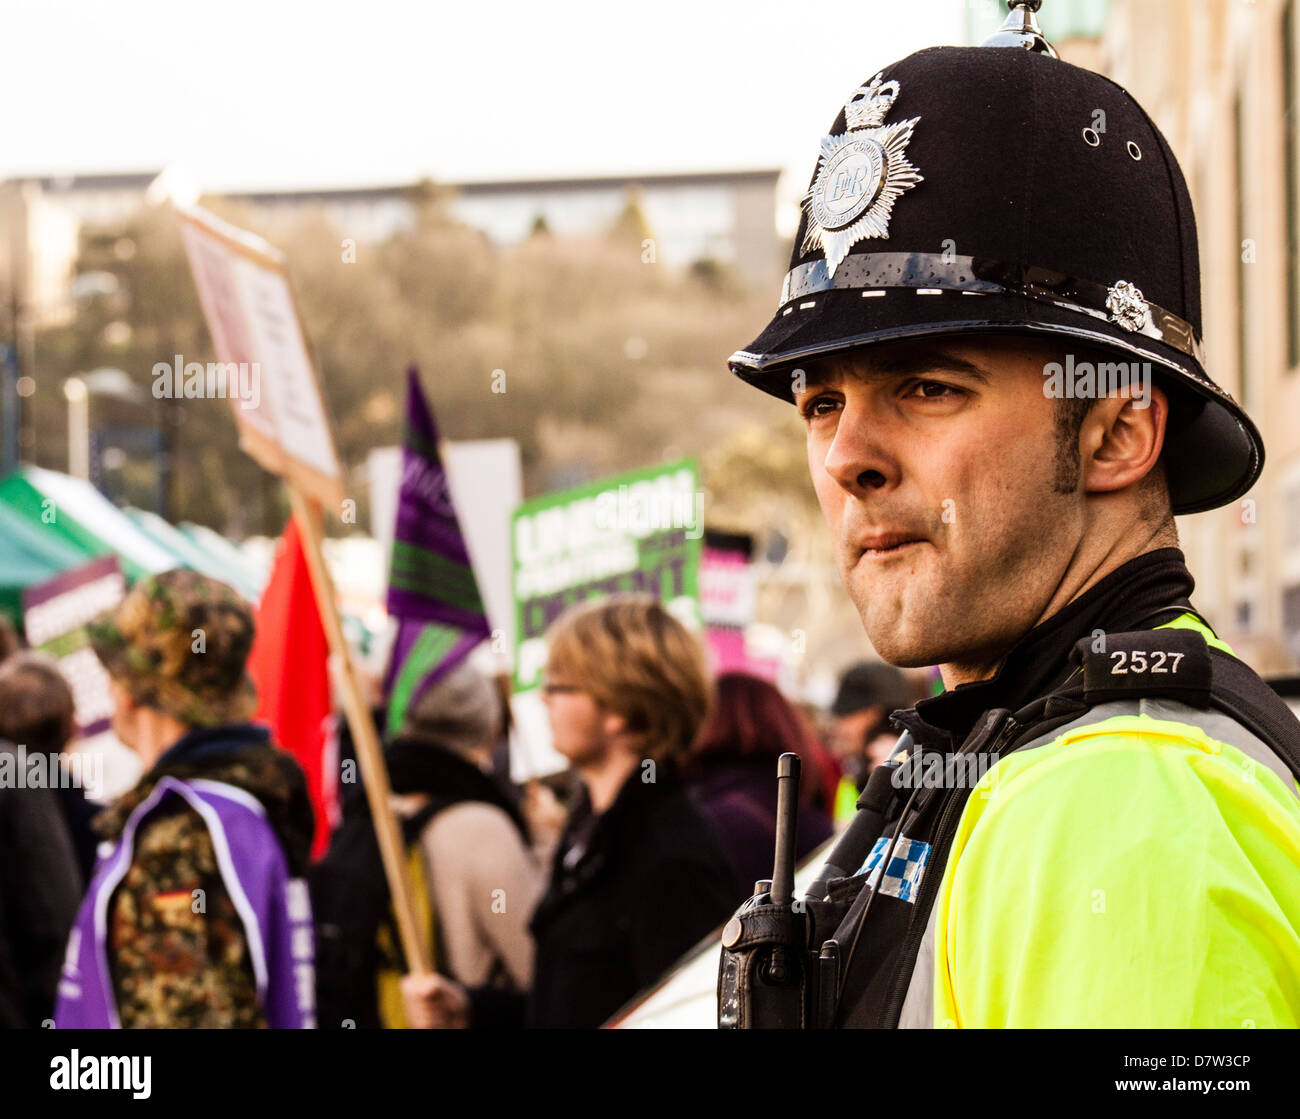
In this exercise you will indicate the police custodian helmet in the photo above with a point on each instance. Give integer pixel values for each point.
(999, 189)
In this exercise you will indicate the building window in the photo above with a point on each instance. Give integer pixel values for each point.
(1291, 620)
(1291, 516)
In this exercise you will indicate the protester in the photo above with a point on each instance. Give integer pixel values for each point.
(751, 724)
(220, 814)
(38, 711)
(640, 874)
(485, 884)
(40, 879)
(861, 736)
(475, 878)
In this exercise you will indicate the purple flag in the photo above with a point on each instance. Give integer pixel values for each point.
(432, 591)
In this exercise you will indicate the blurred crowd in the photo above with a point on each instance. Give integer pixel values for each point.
(549, 905)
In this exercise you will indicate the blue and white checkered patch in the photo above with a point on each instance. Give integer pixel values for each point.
(906, 866)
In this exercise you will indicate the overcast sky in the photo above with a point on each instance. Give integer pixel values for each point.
(278, 94)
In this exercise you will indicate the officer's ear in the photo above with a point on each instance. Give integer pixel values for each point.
(1121, 439)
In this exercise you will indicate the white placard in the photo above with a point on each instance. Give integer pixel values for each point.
(254, 322)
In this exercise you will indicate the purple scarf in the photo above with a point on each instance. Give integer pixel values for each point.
(275, 911)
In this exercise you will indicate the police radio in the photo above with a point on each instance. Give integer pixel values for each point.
(781, 965)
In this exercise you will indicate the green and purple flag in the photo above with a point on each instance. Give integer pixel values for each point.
(432, 592)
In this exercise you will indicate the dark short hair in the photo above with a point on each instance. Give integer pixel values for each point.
(1070, 414)
(36, 705)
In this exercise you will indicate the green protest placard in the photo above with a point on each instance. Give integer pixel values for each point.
(640, 531)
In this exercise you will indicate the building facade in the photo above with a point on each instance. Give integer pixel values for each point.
(1219, 78)
(725, 216)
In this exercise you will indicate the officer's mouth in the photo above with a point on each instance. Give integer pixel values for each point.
(883, 545)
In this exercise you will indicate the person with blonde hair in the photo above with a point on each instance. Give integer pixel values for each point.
(639, 875)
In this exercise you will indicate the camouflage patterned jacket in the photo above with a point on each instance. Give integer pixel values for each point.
(177, 947)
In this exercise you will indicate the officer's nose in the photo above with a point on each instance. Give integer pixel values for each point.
(856, 458)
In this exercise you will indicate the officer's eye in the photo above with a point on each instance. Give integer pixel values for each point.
(818, 406)
(932, 390)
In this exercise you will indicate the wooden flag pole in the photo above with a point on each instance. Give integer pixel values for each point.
(248, 302)
(373, 770)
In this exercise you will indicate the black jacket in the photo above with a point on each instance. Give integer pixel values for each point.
(631, 891)
(40, 889)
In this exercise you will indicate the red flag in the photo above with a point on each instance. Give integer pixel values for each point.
(289, 665)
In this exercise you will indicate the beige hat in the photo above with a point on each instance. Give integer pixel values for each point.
(458, 712)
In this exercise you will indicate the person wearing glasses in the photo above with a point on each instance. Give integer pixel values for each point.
(639, 875)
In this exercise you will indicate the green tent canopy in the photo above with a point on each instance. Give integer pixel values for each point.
(31, 554)
(76, 512)
(227, 564)
(216, 544)
(52, 522)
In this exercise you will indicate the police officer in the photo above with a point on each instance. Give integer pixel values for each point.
(991, 327)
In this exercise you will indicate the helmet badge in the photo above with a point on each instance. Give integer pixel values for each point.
(1127, 307)
(860, 175)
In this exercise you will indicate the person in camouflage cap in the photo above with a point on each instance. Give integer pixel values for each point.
(220, 814)
(178, 643)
